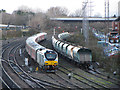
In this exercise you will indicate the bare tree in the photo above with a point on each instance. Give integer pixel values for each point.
(57, 12)
(78, 13)
(22, 16)
(25, 9)
(39, 21)
(6, 18)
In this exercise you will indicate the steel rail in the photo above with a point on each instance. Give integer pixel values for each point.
(17, 86)
(102, 86)
(18, 70)
(38, 80)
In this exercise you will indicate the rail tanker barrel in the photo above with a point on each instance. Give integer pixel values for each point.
(57, 45)
(65, 48)
(75, 54)
(70, 51)
(61, 46)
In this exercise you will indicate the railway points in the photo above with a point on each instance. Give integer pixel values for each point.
(80, 74)
(47, 80)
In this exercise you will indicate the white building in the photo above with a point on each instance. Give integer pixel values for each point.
(119, 8)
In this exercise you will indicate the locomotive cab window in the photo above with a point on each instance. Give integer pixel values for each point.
(50, 55)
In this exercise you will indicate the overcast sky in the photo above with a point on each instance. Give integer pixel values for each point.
(71, 5)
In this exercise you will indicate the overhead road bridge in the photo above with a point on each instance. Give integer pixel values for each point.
(81, 19)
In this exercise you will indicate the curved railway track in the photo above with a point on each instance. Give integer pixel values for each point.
(47, 84)
(9, 53)
(12, 63)
(9, 69)
(6, 79)
(3, 83)
(81, 79)
(62, 81)
(93, 79)
(106, 82)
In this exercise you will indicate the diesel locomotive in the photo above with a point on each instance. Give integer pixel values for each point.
(46, 58)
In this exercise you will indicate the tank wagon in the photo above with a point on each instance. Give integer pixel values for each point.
(77, 54)
(62, 36)
(46, 58)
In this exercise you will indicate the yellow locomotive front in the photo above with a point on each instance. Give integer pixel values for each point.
(51, 60)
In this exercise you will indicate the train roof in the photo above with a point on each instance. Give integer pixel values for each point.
(77, 47)
(64, 35)
(31, 41)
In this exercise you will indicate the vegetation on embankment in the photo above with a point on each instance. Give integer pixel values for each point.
(8, 34)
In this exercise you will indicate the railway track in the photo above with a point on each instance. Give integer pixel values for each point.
(63, 81)
(83, 84)
(9, 69)
(97, 80)
(83, 79)
(7, 81)
(103, 80)
(12, 63)
(28, 79)
(103, 76)
(93, 76)
(4, 84)
(47, 84)
(6, 74)
(62, 84)
(87, 78)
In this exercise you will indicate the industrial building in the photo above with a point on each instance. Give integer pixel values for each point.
(114, 34)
